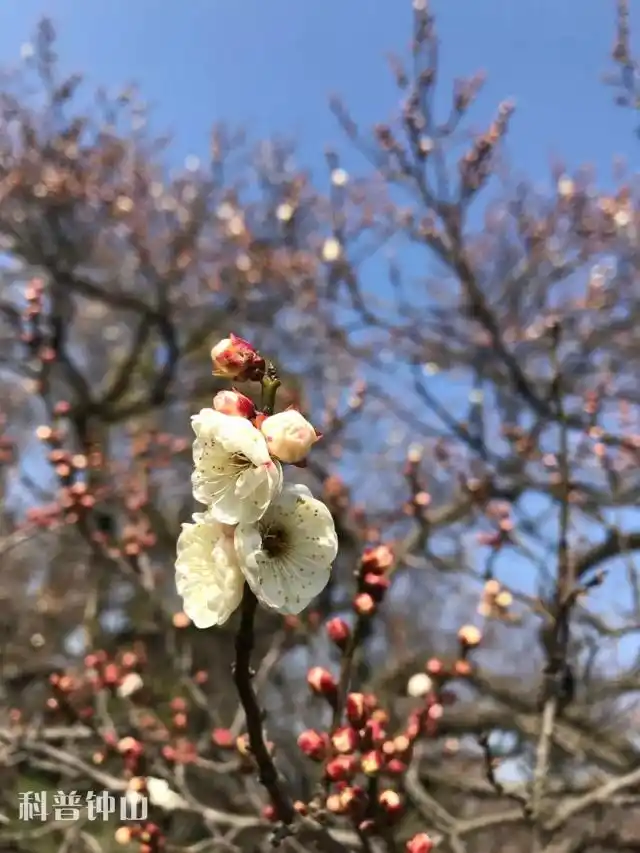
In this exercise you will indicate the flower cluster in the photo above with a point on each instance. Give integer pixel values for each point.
(274, 536)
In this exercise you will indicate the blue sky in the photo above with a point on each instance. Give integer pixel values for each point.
(271, 65)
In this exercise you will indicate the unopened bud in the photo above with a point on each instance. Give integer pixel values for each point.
(504, 599)
(377, 559)
(344, 740)
(434, 667)
(462, 668)
(243, 746)
(129, 744)
(491, 588)
(289, 435)
(376, 585)
(391, 803)
(313, 744)
(321, 682)
(334, 804)
(222, 738)
(401, 744)
(371, 762)
(338, 632)
(342, 768)
(122, 835)
(234, 403)
(356, 709)
(235, 358)
(351, 798)
(375, 731)
(111, 674)
(469, 636)
(364, 605)
(420, 843)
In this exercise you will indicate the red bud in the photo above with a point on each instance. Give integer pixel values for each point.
(338, 632)
(344, 740)
(364, 605)
(313, 744)
(420, 843)
(356, 709)
(391, 803)
(321, 681)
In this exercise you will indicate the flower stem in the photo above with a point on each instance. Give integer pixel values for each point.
(270, 385)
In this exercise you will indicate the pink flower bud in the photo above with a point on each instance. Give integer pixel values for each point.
(111, 674)
(371, 762)
(313, 744)
(234, 403)
(376, 585)
(341, 768)
(338, 632)
(289, 435)
(391, 803)
(375, 731)
(352, 799)
(420, 843)
(356, 709)
(321, 681)
(434, 667)
(364, 605)
(335, 805)
(344, 740)
(222, 738)
(235, 358)
(129, 745)
(377, 559)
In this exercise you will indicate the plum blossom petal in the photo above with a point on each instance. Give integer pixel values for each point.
(286, 556)
(234, 475)
(208, 578)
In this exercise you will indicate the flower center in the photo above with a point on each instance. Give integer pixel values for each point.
(274, 541)
(239, 460)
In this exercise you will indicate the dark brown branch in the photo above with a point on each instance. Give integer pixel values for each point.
(267, 773)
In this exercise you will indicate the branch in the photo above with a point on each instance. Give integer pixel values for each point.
(267, 773)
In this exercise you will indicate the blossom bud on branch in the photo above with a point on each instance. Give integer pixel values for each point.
(289, 435)
(420, 843)
(235, 358)
(234, 403)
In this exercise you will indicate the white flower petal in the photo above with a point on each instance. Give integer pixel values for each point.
(299, 489)
(233, 475)
(162, 795)
(289, 580)
(234, 436)
(208, 578)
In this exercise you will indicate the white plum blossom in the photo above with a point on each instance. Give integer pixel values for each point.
(234, 475)
(208, 578)
(419, 685)
(286, 556)
(162, 795)
(331, 250)
(130, 684)
(289, 435)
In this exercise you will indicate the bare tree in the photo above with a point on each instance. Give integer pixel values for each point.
(468, 679)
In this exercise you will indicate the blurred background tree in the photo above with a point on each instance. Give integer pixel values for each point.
(477, 390)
